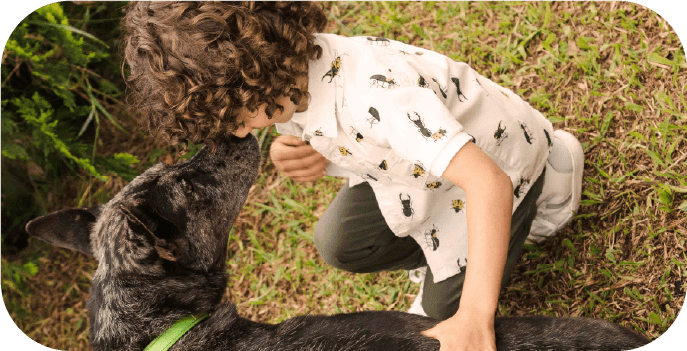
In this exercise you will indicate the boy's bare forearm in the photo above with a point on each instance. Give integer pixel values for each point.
(489, 209)
(488, 222)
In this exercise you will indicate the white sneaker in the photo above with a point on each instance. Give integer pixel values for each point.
(418, 276)
(560, 197)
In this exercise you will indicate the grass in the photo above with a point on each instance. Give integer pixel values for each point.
(611, 73)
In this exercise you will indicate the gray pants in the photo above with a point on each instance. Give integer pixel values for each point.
(352, 235)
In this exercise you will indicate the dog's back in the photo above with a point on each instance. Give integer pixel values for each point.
(161, 246)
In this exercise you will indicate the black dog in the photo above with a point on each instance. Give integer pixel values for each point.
(161, 246)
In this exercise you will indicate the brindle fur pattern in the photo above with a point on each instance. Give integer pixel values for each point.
(161, 247)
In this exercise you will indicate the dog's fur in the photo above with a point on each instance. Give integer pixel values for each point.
(161, 246)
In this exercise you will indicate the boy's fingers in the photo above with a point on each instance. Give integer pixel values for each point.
(308, 172)
(289, 140)
(295, 157)
(281, 151)
(313, 161)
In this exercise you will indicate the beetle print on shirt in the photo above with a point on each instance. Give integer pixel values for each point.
(458, 205)
(344, 151)
(384, 166)
(422, 82)
(378, 41)
(433, 185)
(418, 169)
(548, 139)
(527, 132)
(500, 134)
(367, 176)
(441, 89)
(440, 134)
(431, 238)
(336, 66)
(456, 81)
(406, 205)
(378, 80)
(520, 188)
(420, 124)
(358, 137)
(461, 267)
(480, 85)
(374, 116)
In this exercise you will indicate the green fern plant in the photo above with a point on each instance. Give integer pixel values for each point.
(59, 85)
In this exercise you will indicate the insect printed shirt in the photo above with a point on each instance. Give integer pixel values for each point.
(394, 115)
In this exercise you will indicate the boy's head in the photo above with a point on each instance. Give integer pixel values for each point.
(195, 67)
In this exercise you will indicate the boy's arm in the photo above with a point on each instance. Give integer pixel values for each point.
(489, 209)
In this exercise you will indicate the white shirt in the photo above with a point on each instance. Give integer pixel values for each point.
(394, 115)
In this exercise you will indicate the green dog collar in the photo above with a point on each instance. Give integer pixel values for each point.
(164, 341)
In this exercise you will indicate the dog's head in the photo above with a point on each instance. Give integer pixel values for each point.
(170, 217)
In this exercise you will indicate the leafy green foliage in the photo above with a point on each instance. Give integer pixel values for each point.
(49, 96)
(57, 82)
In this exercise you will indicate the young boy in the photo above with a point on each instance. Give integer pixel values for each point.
(445, 166)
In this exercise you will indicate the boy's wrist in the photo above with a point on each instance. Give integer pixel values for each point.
(476, 314)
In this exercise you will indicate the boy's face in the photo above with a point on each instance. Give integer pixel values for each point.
(259, 119)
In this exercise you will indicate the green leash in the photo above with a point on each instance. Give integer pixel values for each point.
(164, 341)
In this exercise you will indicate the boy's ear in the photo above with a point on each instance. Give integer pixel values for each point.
(147, 226)
(70, 229)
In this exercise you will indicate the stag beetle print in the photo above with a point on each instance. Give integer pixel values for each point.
(407, 205)
(426, 133)
(456, 81)
(462, 266)
(500, 134)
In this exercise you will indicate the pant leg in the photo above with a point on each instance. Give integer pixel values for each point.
(352, 235)
(441, 300)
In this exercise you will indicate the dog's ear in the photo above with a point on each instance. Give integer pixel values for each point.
(70, 229)
(147, 226)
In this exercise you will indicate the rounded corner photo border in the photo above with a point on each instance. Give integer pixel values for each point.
(13, 12)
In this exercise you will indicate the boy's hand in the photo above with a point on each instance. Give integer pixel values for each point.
(465, 331)
(296, 159)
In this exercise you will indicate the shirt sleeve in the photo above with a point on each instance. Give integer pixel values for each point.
(418, 127)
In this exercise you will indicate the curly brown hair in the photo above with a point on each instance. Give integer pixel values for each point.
(195, 65)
